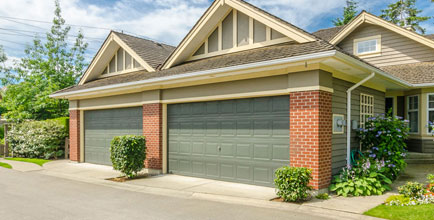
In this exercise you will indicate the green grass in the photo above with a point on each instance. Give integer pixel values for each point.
(40, 162)
(417, 212)
(5, 165)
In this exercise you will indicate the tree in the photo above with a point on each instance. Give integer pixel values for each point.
(350, 11)
(405, 14)
(47, 66)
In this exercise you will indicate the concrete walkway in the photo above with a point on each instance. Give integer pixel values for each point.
(22, 166)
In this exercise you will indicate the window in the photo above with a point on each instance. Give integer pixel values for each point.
(259, 32)
(228, 32)
(389, 105)
(368, 45)
(413, 113)
(276, 35)
(430, 109)
(120, 60)
(213, 41)
(243, 29)
(366, 108)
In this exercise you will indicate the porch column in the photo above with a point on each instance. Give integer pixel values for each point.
(153, 132)
(311, 134)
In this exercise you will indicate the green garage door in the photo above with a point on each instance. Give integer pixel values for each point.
(242, 140)
(100, 126)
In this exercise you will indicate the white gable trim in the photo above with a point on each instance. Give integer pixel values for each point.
(365, 17)
(104, 55)
(268, 20)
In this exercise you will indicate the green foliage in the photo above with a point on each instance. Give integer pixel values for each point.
(48, 65)
(364, 179)
(37, 139)
(323, 196)
(405, 14)
(430, 178)
(350, 11)
(412, 190)
(383, 140)
(63, 121)
(397, 198)
(128, 154)
(3, 58)
(292, 183)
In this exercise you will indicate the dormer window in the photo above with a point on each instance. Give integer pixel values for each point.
(367, 46)
(121, 62)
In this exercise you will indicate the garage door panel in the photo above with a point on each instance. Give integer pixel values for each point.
(102, 125)
(241, 140)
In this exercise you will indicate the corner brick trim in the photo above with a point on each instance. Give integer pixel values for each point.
(311, 134)
(74, 135)
(153, 132)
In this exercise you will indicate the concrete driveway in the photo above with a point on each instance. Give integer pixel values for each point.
(31, 195)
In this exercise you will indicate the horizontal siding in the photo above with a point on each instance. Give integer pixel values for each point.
(339, 103)
(428, 146)
(395, 48)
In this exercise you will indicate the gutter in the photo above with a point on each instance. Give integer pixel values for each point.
(128, 85)
(349, 115)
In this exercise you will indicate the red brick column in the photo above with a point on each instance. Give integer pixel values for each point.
(311, 134)
(74, 135)
(153, 132)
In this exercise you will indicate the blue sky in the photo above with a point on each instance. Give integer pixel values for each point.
(163, 20)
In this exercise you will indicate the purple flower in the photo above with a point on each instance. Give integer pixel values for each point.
(390, 153)
(399, 130)
(403, 154)
(375, 148)
(372, 155)
(391, 165)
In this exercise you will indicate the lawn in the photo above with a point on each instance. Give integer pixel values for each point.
(417, 212)
(5, 165)
(40, 162)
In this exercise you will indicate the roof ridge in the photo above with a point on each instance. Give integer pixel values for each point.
(143, 38)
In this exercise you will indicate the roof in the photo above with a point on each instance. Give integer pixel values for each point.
(328, 33)
(415, 73)
(273, 52)
(154, 53)
(430, 36)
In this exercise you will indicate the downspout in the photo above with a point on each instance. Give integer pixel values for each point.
(349, 115)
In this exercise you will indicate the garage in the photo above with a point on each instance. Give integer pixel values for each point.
(241, 140)
(100, 126)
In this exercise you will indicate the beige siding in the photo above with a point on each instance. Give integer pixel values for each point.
(395, 48)
(339, 106)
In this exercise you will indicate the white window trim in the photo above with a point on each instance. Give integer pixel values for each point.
(364, 114)
(428, 109)
(115, 56)
(418, 112)
(371, 53)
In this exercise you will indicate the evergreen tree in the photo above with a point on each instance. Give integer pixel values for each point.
(405, 14)
(350, 11)
(46, 67)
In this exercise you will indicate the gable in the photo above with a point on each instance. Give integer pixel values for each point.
(237, 32)
(215, 28)
(394, 48)
(121, 53)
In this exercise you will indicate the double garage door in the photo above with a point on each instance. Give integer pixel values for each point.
(100, 126)
(242, 140)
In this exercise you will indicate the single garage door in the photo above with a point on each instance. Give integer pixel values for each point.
(100, 126)
(242, 140)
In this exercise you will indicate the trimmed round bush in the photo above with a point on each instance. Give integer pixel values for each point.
(128, 154)
(292, 183)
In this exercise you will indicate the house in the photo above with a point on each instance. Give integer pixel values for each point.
(246, 92)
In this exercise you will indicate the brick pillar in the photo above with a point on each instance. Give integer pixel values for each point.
(311, 134)
(74, 135)
(153, 132)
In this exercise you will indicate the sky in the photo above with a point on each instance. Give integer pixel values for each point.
(166, 21)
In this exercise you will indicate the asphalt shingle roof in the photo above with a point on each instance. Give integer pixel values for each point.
(328, 33)
(415, 73)
(244, 57)
(152, 52)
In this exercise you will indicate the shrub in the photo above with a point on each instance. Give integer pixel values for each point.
(37, 139)
(292, 183)
(383, 139)
(430, 178)
(63, 121)
(363, 179)
(128, 154)
(412, 190)
(323, 196)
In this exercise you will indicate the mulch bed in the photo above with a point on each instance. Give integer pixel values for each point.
(122, 179)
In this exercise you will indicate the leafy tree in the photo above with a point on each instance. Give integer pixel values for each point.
(47, 66)
(350, 11)
(405, 14)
